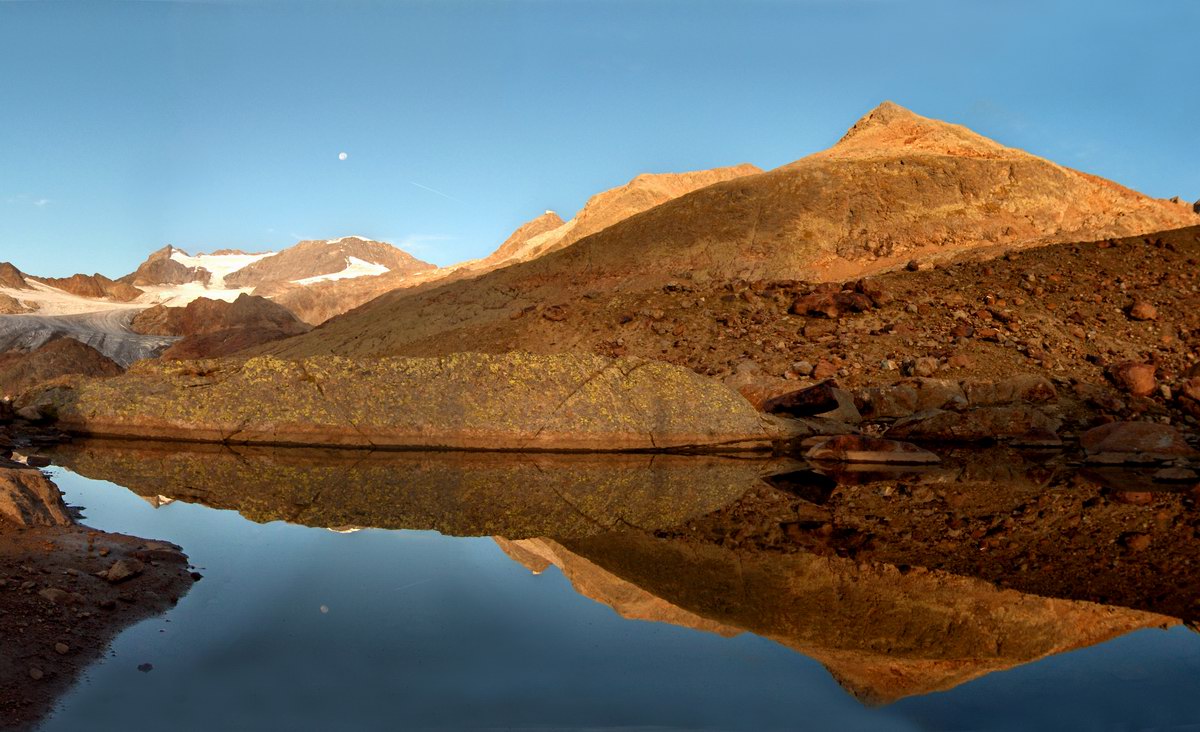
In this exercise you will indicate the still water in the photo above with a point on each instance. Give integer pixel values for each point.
(580, 619)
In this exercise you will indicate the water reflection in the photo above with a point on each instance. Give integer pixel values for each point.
(899, 582)
(456, 493)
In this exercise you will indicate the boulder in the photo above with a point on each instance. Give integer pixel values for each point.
(985, 424)
(862, 449)
(466, 400)
(1135, 378)
(29, 499)
(823, 400)
(1133, 442)
(1021, 388)
(888, 402)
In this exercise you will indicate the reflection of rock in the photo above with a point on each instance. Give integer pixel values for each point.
(883, 633)
(66, 591)
(470, 494)
(596, 583)
(467, 400)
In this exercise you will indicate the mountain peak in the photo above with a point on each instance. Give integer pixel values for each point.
(891, 129)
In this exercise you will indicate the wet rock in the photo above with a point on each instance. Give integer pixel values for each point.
(1021, 388)
(1133, 442)
(1143, 311)
(862, 449)
(1134, 378)
(123, 570)
(985, 424)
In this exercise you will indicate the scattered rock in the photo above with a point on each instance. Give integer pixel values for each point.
(62, 649)
(123, 570)
(145, 667)
(1134, 378)
(36, 673)
(861, 449)
(1142, 310)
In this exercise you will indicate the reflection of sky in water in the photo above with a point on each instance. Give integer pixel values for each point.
(296, 628)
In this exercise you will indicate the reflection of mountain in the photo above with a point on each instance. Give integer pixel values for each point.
(883, 634)
(462, 494)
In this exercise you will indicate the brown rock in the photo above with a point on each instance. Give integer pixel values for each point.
(28, 499)
(12, 278)
(808, 402)
(862, 449)
(889, 402)
(1126, 441)
(124, 570)
(977, 425)
(96, 286)
(824, 370)
(60, 357)
(1021, 388)
(1134, 378)
(1143, 311)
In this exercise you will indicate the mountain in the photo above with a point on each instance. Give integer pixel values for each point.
(897, 187)
(94, 286)
(214, 328)
(312, 261)
(12, 278)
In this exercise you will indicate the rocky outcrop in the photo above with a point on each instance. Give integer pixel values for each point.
(95, 286)
(517, 243)
(216, 328)
(861, 449)
(12, 306)
(11, 277)
(60, 357)
(210, 316)
(161, 269)
(474, 401)
(29, 499)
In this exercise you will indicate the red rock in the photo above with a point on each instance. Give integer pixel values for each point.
(1021, 388)
(1143, 311)
(824, 370)
(1134, 378)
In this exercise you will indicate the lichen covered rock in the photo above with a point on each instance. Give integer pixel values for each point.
(468, 400)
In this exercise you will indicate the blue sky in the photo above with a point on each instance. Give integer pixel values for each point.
(128, 125)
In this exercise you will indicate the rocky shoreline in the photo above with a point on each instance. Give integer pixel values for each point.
(66, 591)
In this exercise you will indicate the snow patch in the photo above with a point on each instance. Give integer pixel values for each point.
(53, 301)
(355, 267)
(341, 239)
(221, 265)
(177, 296)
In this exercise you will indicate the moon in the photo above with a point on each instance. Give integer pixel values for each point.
(342, 156)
